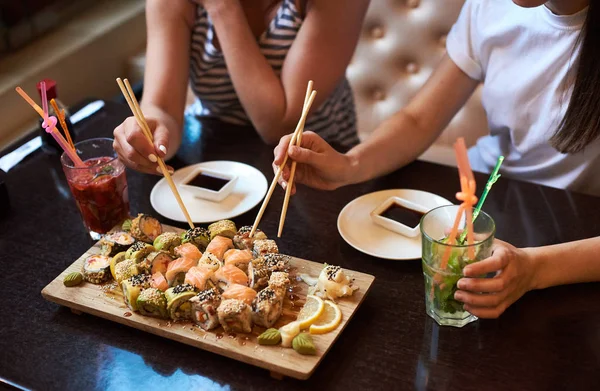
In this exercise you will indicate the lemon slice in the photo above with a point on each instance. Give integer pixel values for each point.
(329, 320)
(313, 308)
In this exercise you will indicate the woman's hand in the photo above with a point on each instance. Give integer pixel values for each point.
(318, 164)
(134, 149)
(490, 297)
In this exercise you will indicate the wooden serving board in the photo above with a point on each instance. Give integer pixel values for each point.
(106, 301)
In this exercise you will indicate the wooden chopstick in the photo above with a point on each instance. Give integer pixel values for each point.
(288, 189)
(141, 120)
(300, 125)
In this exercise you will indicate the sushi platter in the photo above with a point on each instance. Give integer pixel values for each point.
(225, 301)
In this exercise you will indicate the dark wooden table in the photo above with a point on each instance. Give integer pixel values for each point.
(548, 340)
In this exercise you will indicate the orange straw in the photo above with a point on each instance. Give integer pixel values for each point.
(61, 119)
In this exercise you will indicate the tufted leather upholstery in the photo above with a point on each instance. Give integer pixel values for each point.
(400, 45)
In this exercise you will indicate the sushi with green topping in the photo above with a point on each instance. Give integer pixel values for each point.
(178, 304)
(198, 236)
(139, 251)
(152, 302)
(96, 269)
(167, 241)
(132, 287)
(126, 269)
(225, 228)
(145, 228)
(115, 243)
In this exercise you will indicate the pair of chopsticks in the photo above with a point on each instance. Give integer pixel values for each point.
(141, 120)
(295, 140)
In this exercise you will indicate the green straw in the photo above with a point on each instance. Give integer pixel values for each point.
(493, 178)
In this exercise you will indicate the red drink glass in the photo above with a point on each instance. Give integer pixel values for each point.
(100, 188)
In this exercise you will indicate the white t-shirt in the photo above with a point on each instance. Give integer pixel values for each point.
(522, 56)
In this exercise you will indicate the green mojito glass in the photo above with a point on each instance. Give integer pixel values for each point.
(440, 283)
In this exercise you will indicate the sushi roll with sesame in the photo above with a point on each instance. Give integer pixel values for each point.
(96, 269)
(267, 307)
(178, 304)
(264, 246)
(132, 287)
(116, 242)
(204, 309)
(198, 236)
(242, 239)
(224, 228)
(276, 262)
(139, 251)
(152, 302)
(279, 282)
(167, 241)
(145, 228)
(235, 316)
(124, 270)
(209, 260)
(258, 274)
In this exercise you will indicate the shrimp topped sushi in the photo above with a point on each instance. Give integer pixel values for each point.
(218, 246)
(238, 258)
(230, 274)
(235, 316)
(239, 292)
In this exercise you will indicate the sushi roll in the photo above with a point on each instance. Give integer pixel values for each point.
(159, 281)
(238, 258)
(258, 274)
(235, 316)
(120, 257)
(96, 269)
(116, 242)
(145, 228)
(239, 292)
(267, 307)
(167, 241)
(276, 262)
(242, 239)
(210, 261)
(200, 277)
(178, 304)
(124, 270)
(219, 245)
(188, 250)
(139, 251)
(152, 302)
(230, 274)
(204, 309)
(264, 246)
(224, 228)
(177, 269)
(279, 282)
(156, 261)
(197, 236)
(132, 287)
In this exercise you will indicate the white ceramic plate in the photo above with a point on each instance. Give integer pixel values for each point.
(250, 188)
(358, 230)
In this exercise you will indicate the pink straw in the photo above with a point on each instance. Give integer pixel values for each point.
(44, 99)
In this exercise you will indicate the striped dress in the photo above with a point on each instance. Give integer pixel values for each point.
(335, 120)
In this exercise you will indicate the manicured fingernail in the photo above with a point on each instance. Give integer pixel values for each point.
(461, 284)
(163, 149)
(284, 185)
(152, 158)
(458, 296)
(158, 170)
(170, 170)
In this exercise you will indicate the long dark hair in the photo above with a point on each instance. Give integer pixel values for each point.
(581, 123)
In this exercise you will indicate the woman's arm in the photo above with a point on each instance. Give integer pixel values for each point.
(321, 52)
(395, 143)
(165, 85)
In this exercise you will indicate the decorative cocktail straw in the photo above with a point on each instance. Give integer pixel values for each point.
(492, 179)
(44, 99)
(63, 123)
(49, 125)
